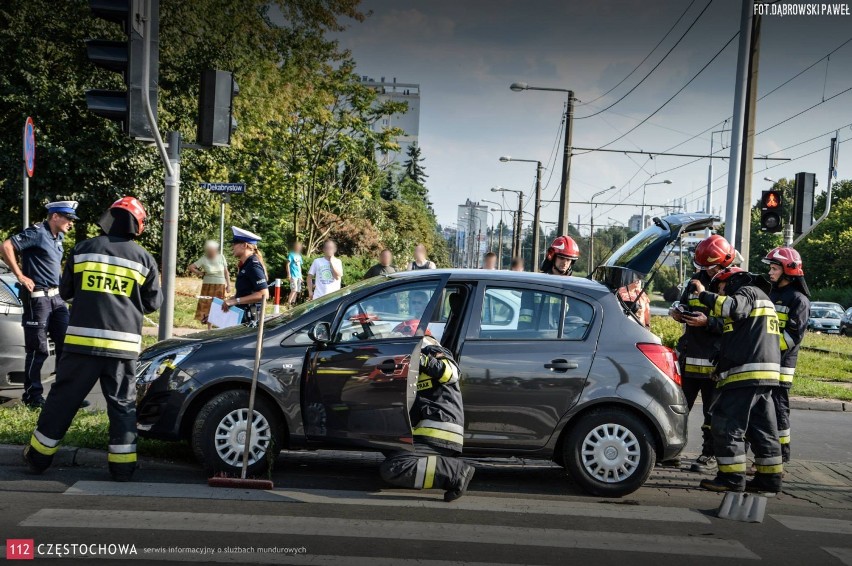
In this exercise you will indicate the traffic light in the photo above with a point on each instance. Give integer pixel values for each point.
(126, 57)
(216, 122)
(803, 212)
(770, 210)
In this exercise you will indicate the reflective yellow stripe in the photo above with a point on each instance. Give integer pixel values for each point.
(440, 434)
(762, 311)
(783, 317)
(429, 478)
(121, 458)
(101, 343)
(717, 308)
(746, 375)
(784, 439)
(698, 369)
(695, 303)
(783, 343)
(777, 469)
(41, 448)
(111, 269)
(732, 468)
(785, 378)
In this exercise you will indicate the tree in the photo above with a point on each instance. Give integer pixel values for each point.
(412, 167)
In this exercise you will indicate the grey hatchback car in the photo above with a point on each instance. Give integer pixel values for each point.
(552, 367)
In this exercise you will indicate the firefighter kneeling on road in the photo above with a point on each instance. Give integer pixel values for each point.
(790, 294)
(439, 430)
(112, 282)
(747, 369)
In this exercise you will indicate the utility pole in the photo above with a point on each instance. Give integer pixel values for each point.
(565, 187)
(738, 124)
(537, 217)
(518, 236)
(500, 244)
(744, 200)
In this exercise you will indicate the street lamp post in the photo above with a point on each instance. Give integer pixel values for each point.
(645, 186)
(518, 220)
(566, 155)
(537, 209)
(592, 221)
(500, 239)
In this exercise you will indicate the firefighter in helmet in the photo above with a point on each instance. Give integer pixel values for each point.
(698, 346)
(747, 370)
(791, 297)
(561, 257)
(111, 282)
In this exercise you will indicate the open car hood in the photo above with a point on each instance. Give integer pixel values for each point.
(635, 259)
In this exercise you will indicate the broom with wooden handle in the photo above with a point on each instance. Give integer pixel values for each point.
(242, 481)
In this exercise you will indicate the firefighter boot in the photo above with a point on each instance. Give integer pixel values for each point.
(461, 485)
(36, 462)
(721, 484)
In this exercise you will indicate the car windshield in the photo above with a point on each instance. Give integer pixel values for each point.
(825, 314)
(309, 306)
(637, 245)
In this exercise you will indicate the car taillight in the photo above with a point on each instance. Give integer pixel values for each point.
(664, 358)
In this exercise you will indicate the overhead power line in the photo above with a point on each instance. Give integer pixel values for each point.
(665, 154)
(642, 62)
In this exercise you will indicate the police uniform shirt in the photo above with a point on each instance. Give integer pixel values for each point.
(41, 254)
(251, 277)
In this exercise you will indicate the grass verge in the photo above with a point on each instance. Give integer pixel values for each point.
(90, 429)
(826, 374)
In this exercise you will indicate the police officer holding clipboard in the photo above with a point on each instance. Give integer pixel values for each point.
(45, 313)
(251, 284)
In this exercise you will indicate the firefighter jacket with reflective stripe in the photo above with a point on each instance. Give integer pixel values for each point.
(698, 347)
(748, 353)
(111, 282)
(793, 308)
(438, 412)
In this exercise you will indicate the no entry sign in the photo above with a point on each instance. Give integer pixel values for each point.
(29, 146)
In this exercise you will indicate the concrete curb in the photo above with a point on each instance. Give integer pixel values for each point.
(808, 404)
(69, 456)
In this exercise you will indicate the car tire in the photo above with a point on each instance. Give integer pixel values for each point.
(216, 434)
(609, 452)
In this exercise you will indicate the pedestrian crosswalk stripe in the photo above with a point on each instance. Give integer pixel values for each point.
(815, 524)
(842, 554)
(409, 499)
(378, 529)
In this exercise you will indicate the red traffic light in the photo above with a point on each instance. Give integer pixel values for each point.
(771, 199)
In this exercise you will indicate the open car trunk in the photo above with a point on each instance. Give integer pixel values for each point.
(638, 258)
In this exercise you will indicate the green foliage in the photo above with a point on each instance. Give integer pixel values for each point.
(840, 295)
(666, 278)
(413, 170)
(826, 266)
(667, 329)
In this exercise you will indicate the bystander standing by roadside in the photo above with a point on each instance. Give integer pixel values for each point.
(489, 261)
(212, 267)
(384, 266)
(294, 272)
(420, 259)
(326, 272)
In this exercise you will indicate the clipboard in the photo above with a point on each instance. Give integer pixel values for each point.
(221, 319)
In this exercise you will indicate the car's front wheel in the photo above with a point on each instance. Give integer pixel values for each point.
(219, 434)
(609, 452)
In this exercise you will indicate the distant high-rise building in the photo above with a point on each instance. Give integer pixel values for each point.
(472, 233)
(635, 223)
(408, 122)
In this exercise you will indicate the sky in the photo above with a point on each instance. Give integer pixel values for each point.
(466, 53)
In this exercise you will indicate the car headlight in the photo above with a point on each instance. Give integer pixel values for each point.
(149, 370)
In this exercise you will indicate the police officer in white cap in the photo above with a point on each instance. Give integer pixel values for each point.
(45, 313)
(251, 284)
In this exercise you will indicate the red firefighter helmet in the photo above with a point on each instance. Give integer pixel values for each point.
(789, 260)
(135, 208)
(564, 246)
(409, 327)
(714, 250)
(726, 274)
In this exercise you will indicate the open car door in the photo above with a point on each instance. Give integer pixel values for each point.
(362, 383)
(637, 257)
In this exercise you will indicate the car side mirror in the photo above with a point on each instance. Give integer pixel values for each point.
(320, 333)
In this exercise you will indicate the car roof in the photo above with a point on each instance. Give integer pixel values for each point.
(576, 284)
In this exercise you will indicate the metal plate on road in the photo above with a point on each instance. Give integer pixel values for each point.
(29, 146)
(224, 187)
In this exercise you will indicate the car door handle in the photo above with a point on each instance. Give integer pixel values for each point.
(387, 366)
(561, 365)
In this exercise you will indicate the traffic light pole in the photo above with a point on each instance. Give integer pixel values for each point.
(171, 161)
(832, 166)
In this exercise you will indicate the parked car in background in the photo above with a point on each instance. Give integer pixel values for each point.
(551, 367)
(12, 354)
(825, 317)
(846, 323)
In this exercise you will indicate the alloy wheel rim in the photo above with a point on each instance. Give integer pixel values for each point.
(230, 437)
(610, 453)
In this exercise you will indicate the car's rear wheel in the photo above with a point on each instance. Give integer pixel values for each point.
(609, 452)
(219, 431)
